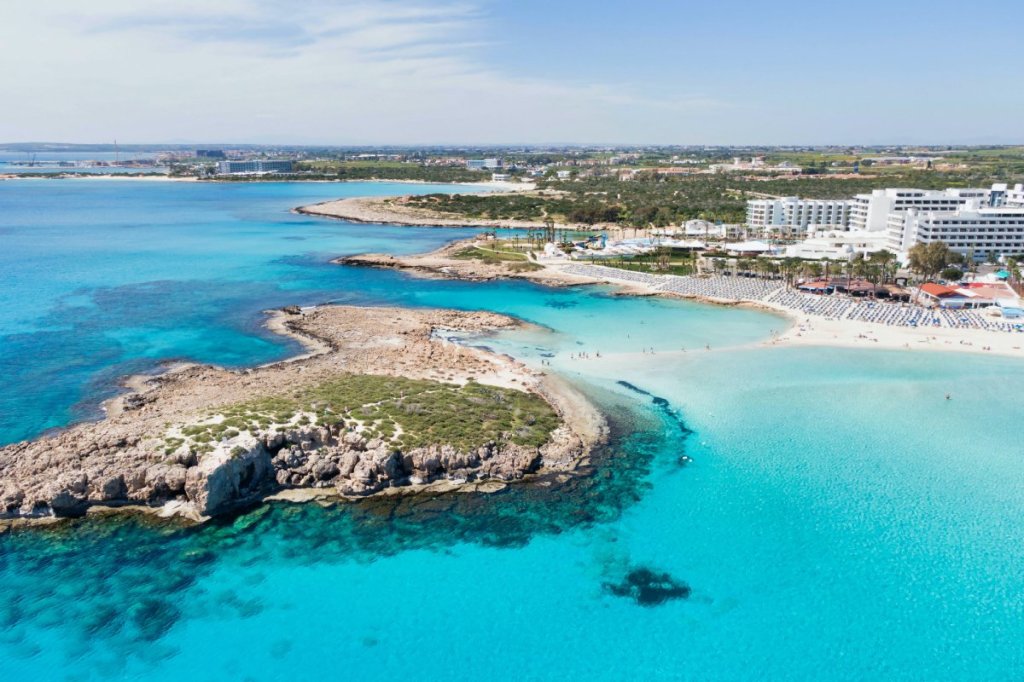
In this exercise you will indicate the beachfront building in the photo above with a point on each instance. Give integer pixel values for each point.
(871, 211)
(838, 245)
(972, 296)
(254, 166)
(973, 230)
(793, 215)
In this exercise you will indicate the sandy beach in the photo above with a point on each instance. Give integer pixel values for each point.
(805, 329)
(799, 329)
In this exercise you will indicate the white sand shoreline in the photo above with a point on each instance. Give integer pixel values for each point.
(812, 330)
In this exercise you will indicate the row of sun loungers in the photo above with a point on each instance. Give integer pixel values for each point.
(833, 307)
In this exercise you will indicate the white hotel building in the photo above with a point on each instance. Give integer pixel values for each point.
(792, 215)
(1008, 196)
(976, 222)
(973, 230)
(871, 211)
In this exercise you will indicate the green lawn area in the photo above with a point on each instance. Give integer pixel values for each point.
(673, 268)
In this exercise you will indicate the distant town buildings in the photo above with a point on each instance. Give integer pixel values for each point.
(210, 154)
(254, 166)
(756, 164)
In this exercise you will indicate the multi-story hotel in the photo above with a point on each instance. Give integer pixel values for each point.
(973, 230)
(254, 166)
(871, 211)
(792, 215)
(980, 223)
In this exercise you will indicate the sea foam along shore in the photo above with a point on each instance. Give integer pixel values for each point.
(139, 455)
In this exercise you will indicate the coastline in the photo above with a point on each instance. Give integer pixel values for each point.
(812, 330)
(389, 211)
(180, 382)
(484, 185)
(801, 329)
(113, 464)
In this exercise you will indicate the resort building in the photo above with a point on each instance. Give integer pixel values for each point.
(838, 245)
(872, 211)
(1013, 198)
(792, 215)
(973, 230)
(254, 166)
(482, 164)
(972, 296)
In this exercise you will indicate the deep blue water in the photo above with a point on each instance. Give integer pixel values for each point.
(839, 519)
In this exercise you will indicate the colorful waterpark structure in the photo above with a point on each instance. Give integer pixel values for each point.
(975, 222)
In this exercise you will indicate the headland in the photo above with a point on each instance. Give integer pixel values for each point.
(379, 402)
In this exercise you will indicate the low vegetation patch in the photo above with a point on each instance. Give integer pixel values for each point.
(515, 261)
(406, 413)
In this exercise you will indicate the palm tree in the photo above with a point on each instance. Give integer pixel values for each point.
(1011, 267)
(884, 260)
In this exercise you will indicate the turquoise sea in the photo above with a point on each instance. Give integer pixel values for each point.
(803, 513)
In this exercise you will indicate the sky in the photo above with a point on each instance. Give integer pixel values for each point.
(359, 72)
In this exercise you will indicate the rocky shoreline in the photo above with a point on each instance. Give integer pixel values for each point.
(200, 441)
(443, 263)
(397, 211)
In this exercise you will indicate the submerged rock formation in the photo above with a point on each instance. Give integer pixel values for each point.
(205, 439)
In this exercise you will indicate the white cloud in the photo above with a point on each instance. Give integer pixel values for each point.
(314, 71)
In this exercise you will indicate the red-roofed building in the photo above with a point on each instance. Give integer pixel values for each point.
(937, 292)
(972, 296)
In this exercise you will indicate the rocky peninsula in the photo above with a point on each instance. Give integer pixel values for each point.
(401, 211)
(477, 259)
(381, 402)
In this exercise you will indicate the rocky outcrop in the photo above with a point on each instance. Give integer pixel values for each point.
(245, 469)
(129, 458)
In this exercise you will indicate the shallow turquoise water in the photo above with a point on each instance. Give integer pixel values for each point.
(839, 518)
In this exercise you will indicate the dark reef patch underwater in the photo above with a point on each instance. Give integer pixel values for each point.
(648, 588)
(121, 581)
